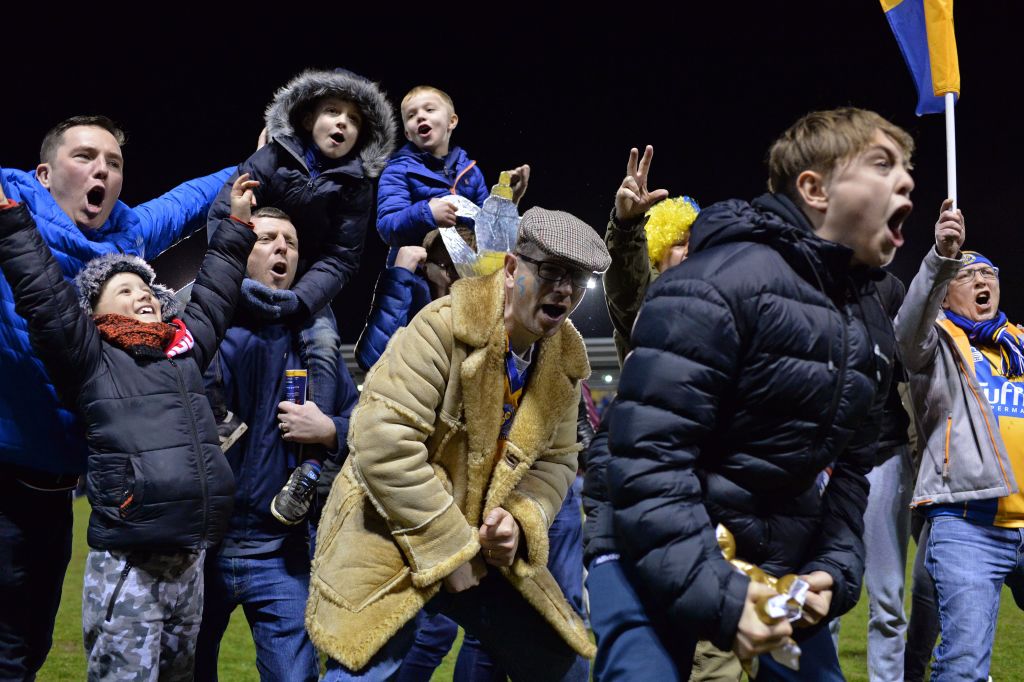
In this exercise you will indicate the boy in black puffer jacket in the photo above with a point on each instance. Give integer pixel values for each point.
(330, 134)
(160, 488)
(760, 365)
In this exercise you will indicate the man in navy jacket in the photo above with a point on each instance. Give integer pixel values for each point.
(263, 564)
(73, 197)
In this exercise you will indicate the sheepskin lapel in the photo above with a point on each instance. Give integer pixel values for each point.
(478, 319)
(561, 363)
(478, 314)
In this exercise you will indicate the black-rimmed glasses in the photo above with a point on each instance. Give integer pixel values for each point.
(552, 272)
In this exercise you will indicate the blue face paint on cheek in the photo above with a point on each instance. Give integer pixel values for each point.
(519, 283)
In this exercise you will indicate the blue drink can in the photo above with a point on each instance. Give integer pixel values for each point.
(295, 385)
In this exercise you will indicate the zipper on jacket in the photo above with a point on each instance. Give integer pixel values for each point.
(117, 588)
(458, 177)
(200, 460)
(985, 409)
(945, 461)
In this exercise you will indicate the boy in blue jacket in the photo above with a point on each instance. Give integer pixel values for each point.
(330, 134)
(411, 197)
(159, 487)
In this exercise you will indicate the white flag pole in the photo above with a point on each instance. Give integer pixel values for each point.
(950, 149)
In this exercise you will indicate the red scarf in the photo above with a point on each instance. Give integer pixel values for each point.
(154, 340)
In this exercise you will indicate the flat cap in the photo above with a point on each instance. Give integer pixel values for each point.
(565, 237)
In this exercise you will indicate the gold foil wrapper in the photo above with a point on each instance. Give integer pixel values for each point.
(787, 604)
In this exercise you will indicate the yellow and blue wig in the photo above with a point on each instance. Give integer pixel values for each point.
(668, 224)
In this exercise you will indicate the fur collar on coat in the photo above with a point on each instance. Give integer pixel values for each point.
(377, 136)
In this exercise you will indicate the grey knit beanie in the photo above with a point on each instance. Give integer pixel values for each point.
(96, 272)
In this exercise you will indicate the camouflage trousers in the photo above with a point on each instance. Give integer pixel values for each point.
(141, 613)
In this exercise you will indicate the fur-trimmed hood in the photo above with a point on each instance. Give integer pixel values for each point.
(377, 136)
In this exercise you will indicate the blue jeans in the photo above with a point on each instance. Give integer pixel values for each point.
(818, 662)
(517, 636)
(437, 633)
(565, 541)
(384, 665)
(272, 590)
(969, 564)
(35, 548)
(628, 647)
(321, 352)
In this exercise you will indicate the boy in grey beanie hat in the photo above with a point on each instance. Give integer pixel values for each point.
(160, 488)
(93, 278)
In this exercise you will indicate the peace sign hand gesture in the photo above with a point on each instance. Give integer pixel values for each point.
(633, 199)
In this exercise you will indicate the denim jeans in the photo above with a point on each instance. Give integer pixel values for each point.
(35, 548)
(320, 350)
(436, 634)
(969, 564)
(272, 590)
(819, 662)
(384, 665)
(519, 639)
(628, 647)
(321, 353)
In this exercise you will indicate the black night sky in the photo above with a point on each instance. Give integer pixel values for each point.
(710, 85)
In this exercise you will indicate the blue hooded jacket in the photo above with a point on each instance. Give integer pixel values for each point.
(36, 431)
(399, 295)
(411, 179)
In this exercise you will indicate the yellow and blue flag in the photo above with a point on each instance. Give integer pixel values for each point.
(924, 32)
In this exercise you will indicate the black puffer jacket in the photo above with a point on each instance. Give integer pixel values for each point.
(757, 363)
(331, 211)
(156, 476)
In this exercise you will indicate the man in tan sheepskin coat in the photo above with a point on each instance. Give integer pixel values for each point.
(463, 446)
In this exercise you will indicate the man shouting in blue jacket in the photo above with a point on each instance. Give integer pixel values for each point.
(73, 197)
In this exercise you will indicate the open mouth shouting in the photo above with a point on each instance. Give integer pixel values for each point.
(983, 300)
(423, 130)
(895, 224)
(94, 200)
(338, 138)
(279, 270)
(553, 313)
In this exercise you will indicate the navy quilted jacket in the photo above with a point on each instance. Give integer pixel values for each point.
(251, 365)
(331, 208)
(156, 476)
(36, 431)
(411, 179)
(758, 362)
